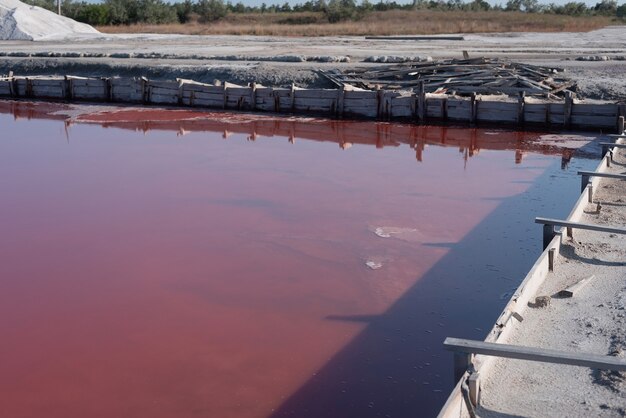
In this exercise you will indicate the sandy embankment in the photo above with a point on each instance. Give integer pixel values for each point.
(593, 321)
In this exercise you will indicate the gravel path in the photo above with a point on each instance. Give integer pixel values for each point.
(280, 61)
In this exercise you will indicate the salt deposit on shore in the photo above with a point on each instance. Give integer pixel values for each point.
(593, 321)
(19, 21)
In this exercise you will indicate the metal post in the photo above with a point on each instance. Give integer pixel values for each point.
(584, 180)
(462, 363)
(590, 193)
(548, 234)
(605, 149)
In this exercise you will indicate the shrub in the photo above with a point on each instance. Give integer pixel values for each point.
(210, 10)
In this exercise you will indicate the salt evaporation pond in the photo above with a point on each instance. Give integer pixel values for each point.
(209, 267)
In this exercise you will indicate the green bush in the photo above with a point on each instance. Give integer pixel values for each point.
(210, 10)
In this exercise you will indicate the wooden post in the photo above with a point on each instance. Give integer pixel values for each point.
(341, 93)
(253, 96)
(109, 88)
(608, 160)
(570, 232)
(548, 234)
(444, 109)
(12, 85)
(590, 193)
(29, 88)
(225, 93)
(551, 259)
(521, 103)
(584, 180)
(181, 84)
(68, 88)
(276, 101)
(567, 110)
(293, 97)
(620, 125)
(473, 109)
(421, 102)
(144, 90)
(462, 363)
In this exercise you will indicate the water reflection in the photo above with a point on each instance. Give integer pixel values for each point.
(469, 141)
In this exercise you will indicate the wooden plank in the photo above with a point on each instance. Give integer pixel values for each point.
(315, 102)
(163, 98)
(202, 88)
(89, 90)
(505, 116)
(595, 109)
(360, 95)
(316, 93)
(238, 91)
(238, 102)
(597, 121)
(543, 355)
(88, 82)
(203, 95)
(125, 81)
(168, 85)
(498, 106)
(44, 82)
(207, 103)
(578, 225)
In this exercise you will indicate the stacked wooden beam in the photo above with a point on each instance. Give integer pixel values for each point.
(460, 77)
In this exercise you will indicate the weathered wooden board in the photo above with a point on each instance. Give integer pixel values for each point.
(360, 95)
(317, 94)
(91, 90)
(459, 109)
(167, 85)
(594, 120)
(435, 108)
(594, 109)
(203, 88)
(163, 98)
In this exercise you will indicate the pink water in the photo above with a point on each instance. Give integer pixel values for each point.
(145, 274)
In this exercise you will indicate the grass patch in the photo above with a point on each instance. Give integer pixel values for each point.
(392, 22)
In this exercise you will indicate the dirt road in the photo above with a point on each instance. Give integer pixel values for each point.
(281, 61)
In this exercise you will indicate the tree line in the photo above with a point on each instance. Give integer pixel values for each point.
(127, 12)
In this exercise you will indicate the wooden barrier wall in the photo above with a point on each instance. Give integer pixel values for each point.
(379, 104)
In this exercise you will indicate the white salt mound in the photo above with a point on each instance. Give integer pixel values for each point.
(19, 21)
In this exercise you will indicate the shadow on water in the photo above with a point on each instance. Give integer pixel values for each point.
(396, 367)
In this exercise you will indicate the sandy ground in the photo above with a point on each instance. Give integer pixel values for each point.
(593, 321)
(243, 59)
